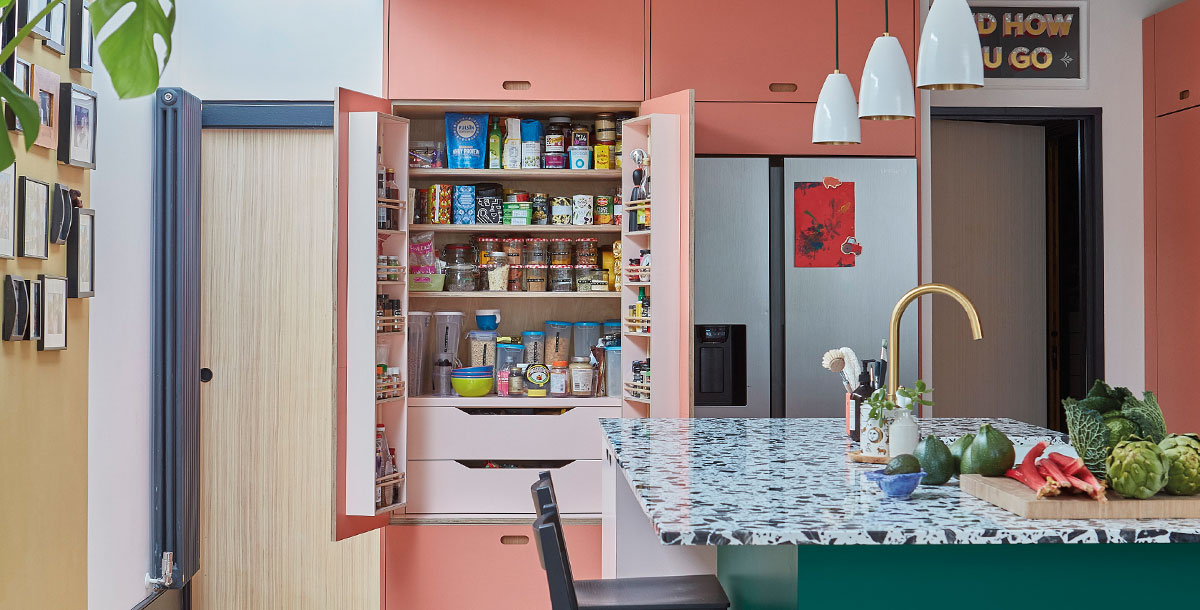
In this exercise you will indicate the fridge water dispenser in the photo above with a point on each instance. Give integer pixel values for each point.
(720, 365)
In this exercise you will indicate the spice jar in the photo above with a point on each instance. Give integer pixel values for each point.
(559, 388)
(560, 251)
(515, 273)
(381, 264)
(584, 276)
(393, 272)
(535, 346)
(606, 127)
(537, 251)
(562, 278)
(512, 248)
(581, 377)
(587, 251)
(560, 211)
(534, 279)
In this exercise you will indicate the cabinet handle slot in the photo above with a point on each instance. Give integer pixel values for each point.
(516, 85)
(1186, 93)
(513, 411)
(514, 540)
(783, 87)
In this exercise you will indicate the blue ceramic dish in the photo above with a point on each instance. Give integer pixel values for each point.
(474, 369)
(896, 485)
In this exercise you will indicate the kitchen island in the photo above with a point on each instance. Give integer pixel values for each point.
(793, 521)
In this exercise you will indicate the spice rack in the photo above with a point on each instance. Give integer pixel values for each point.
(637, 392)
(387, 325)
(637, 271)
(637, 326)
(390, 486)
(385, 391)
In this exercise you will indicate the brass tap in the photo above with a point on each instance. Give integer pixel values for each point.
(893, 375)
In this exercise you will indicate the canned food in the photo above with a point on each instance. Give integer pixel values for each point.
(560, 211)
(603, 210)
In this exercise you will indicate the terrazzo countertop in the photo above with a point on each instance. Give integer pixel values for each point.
(788, 481)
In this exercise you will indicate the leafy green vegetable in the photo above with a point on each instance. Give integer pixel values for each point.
(1100, 404)
(1147, 416)
(1100, 390)
(1138, 468)
(128, 51)
(1089, 435)
(1119, 428)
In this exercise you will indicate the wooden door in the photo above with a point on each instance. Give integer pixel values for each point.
(1176, 49)
(268, 322)
(989, 240)
(1177, 255)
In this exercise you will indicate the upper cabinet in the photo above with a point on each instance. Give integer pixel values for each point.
(1176, 47)
(533, 50)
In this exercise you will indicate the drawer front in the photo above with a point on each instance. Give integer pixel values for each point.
(446, 486)
(451, 567)
(1176, 82)
(450, 433)
(747, 128)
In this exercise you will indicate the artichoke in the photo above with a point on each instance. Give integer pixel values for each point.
(1183, 454)
(1137, 468)
(1119, 428)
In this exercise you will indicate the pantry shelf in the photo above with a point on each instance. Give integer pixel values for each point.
(391, 203)
(384, 401)
(535, 229)
(518, 402)
(390, 282)
(515, 174)
(637, 334)
(635, 284)
(391, 232)
(638, 233)
(484, 294)
(389, 508)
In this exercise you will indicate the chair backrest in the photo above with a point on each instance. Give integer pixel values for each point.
(543, 492)
(548, 531)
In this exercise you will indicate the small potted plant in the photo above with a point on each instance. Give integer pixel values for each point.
(878, 419)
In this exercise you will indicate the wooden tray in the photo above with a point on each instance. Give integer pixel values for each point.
(1015, 497)
(857, 456)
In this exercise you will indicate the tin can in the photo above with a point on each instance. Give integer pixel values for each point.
(603, 210)
(560, 211)
(581, 210)
(618, 209)
(541, 209)
(516, 196)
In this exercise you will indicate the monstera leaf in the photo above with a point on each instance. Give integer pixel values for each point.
(128, 51)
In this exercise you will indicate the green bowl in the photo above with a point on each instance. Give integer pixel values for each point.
(471, 388)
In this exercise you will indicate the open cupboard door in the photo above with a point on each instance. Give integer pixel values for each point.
(366, 133)
(666, 128)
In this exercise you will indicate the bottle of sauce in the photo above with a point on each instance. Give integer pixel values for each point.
(494, 145)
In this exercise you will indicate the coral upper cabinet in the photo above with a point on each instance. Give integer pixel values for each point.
(528, 50)
(1176, 50)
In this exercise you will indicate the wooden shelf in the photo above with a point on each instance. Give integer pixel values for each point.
(525, 109)
(638, 233)
(515, 174)
(384, 401)
(390, 232)
(390, 282)
(535, 229)
(635, 284)
(637, 334)
(388, 509)
(644, 401)
(512, 402)
(485, 294)
(637, 204)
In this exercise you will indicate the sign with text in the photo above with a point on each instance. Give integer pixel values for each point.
(1043, 42)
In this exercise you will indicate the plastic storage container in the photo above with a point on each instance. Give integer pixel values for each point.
(586, 336)
(443, 363)
(509, 355)
(562, 278)
(612, 368)
(584, 276)
(418, 340)
(560, 251)
(611, 327)
(558, 341)
(587, 251)
(447, 331)
(535, 346)
(534, 278)
(483, 347)
(537, 251)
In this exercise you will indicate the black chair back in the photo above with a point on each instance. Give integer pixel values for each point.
(543, 492)
(548, 531)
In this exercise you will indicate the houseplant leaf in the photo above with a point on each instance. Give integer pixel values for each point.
(128, 51)
(26, 111)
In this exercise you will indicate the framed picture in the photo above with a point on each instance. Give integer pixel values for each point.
(8, 31)
(83, 44)
(61, 213)
(1033, 45)
(44, 88)
(34, 236)
(54, 313)
(81, 255)
(77, 126)
(20, 78)
(16, 308)
(8, 212)
(57, 39)
(28, 9)
(33, 329)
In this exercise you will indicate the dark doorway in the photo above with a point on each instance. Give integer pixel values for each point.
(1074, 244)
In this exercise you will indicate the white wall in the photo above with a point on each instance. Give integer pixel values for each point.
(223, 49)
(1115, 84)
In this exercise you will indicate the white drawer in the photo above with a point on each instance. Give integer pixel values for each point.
(446, 486)
(450, 433)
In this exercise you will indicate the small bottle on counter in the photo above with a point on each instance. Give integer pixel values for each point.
(903, 434)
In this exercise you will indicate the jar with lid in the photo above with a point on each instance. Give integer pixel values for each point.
(535, 346)
(587, 251)
(562, 278)
(557, 133)
(534, 278)
(560, 251)
(458, 253)
(393, 272)
(461, 277)
(381, 265)
(516, 381)
(494, 276)
(581, 135)
(515, 273)
(537, 251)
(584, 276)
(581, 377)
(512, 248)
(606, 127)
(486, 245)
(559, 388)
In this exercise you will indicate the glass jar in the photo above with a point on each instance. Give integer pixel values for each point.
(486, 246)
(587, 251)
(461, 277)
(606, 127)
(494, 276)
(557, 133)
(584, 276)
(581, 135)
(458, 253)
(581, 377)
(516, 381)
(393, 272)
(512, 248)
(560, 251)
(381, 264)
(534, 279)
(535, 346)
(537, 251)
(562, 278)
(559, 388)
(515, 273)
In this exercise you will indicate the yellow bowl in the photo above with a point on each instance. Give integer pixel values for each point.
(471, 388)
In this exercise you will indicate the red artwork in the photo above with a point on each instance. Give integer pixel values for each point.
(825, 224)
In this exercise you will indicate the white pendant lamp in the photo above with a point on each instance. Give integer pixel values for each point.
(951, 56)
(836, 118)
(886, 90)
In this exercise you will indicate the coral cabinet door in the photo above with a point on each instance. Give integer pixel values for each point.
(1178, 257)
(1176, 47)
(737, 51)
(530, 50)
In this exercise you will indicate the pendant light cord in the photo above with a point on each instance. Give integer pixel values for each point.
(837, 50)
(886, 26)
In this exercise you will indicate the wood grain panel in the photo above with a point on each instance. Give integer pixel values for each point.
(1016, 497)
(268, 412)
(989, 240)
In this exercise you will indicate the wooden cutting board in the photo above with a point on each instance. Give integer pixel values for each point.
(1015, 497)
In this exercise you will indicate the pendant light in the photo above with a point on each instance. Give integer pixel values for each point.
(886, 90)
(951, 56)
(836, 117)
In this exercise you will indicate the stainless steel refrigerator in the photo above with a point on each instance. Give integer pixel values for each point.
(762, 323)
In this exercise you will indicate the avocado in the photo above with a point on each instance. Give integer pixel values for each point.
(904, 463)
(957, 448)
(936, 460)
(991, 454)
